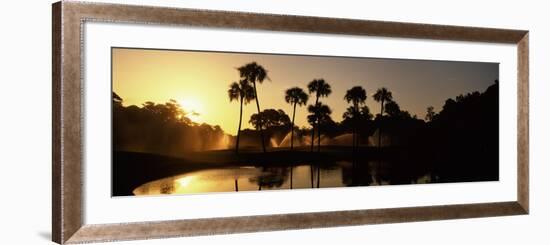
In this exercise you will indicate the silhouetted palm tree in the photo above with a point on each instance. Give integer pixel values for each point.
(356, 96)
(364, 113)
(320, 113)
(312, 120)
(295, 96)
(242, 92)
(392, 109)
(321, 89)
(382, 95)
(252, 73)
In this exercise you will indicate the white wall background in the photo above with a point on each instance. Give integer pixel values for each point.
(25, 135)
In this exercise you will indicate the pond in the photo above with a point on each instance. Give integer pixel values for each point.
(253, 178)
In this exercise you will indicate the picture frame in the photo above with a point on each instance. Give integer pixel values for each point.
(68, 19)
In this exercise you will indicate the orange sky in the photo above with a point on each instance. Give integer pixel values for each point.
(199, 81)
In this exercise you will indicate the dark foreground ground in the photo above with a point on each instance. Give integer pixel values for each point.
(132, 169)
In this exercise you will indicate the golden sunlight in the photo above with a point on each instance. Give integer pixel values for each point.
(193, 108)
(183, 182)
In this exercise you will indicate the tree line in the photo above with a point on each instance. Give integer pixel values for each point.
(245, 91)
(162, 129)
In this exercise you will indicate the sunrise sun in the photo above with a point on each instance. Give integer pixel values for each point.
(193, 109)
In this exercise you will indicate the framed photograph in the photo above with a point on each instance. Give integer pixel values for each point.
(179, 122)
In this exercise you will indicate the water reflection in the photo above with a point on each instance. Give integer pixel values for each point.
(270, 178)
(250, 178)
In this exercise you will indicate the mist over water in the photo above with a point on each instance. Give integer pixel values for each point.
(194, 139)
(345, 139)
(298, 140)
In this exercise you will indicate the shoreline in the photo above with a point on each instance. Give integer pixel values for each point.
(132, 169)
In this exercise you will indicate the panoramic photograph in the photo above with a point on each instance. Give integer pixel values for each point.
(190, 122)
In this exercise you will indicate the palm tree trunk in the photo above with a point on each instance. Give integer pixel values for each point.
(312, 136)
(291, 176)
(311, 164)
(380, 128)
(236, 185)
(318, 132)
(318, 137)
(292, 129)
(356, 143)
(260, 122)
(357, 137)
(355, 112)
(380, 137)
(311, 173)
(353, 139)
(315, 124)
(318, 175)
(355, 129)
(239, 130)
(353, 143)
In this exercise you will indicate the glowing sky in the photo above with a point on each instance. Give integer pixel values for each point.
(199, 81)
